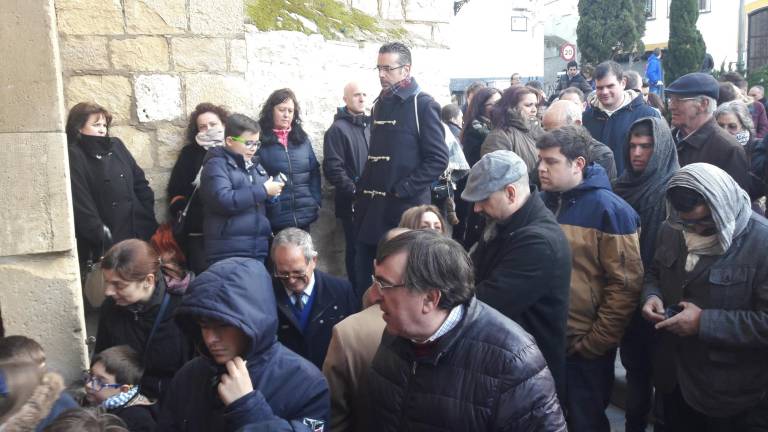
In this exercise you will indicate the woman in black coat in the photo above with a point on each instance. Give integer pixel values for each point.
(139, 313)
(111, 197)
(477, 126)
(285, 148)
(204, 131)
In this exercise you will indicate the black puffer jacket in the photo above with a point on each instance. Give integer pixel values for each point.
(298, 204)
(486, 374)
(345, 150)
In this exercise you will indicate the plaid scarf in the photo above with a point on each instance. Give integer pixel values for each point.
(282, 135)
(394, 88)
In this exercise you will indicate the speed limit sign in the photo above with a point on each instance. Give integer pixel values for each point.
(567, 52)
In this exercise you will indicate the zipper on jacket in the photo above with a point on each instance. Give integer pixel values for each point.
(293, 188)
(135, 315)
(405, 395)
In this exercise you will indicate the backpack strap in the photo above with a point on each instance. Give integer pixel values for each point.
(416, 111)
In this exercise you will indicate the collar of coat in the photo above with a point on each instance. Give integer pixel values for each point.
(700, 136)
(521, 217)
(401, 91)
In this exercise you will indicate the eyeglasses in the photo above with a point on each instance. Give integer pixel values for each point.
(387, 68)
(703, 222)
(381, 286)
(96, 383)
(677, 100)
(289, 276)
(248, 144)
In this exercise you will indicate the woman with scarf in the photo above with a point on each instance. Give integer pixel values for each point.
(651, 156)
(286, 150)
(235, 190)
(111, 197)
(204, 131)
(139, 313)
(734, 117)
(477, 126)
(513, 117)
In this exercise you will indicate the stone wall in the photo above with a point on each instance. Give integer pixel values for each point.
(40, 289)
(151, 61)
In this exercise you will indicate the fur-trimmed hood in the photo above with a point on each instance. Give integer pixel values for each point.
(38, 406)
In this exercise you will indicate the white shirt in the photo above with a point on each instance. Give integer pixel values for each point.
(304, 294)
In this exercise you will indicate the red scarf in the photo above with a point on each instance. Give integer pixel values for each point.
(282, 136)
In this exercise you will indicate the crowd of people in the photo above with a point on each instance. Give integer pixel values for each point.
(498, 257)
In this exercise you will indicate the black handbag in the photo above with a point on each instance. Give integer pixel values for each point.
(443, 188)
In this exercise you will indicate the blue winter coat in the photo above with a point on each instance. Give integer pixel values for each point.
(289, 392)
(298, 204)
(653, 70)
(332, 300)
(234, 221)
(612, 131)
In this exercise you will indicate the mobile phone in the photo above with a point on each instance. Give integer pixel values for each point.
(672, 311)
(280, 178)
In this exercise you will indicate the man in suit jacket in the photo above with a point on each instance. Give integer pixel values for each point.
(309, 302)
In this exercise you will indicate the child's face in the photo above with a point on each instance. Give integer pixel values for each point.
(100, 385)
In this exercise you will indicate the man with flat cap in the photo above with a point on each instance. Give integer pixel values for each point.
(692, 101)
(523, 260)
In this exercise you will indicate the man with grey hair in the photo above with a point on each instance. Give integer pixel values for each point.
(566, 113)
(448, 361)
(707, 294)
(692, 103)
(523, 261)
(758, 94)
(634, 81)
(309, 302)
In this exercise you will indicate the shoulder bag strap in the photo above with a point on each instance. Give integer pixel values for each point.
(163, 308)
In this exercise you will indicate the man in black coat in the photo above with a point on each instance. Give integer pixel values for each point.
(345, 149)
(309, 302)
(523, 262)
(407, 153)
(448, 361)
(573, 78)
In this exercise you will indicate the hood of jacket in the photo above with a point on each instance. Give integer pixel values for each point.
(235, 291)
(342, 113)
(595, 177)
(632, 100)
(514, 119)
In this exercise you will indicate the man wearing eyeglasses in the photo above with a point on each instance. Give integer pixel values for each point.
(309, 302)
(692, 100)
(407, 153)
(707, 294)
(448, 361)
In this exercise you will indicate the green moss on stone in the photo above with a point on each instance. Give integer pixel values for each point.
(332, 18)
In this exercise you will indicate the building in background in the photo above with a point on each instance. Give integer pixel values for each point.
(757, 34)
(491, 39)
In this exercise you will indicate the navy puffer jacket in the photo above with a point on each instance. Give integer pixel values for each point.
(298, 204)
(234, 224)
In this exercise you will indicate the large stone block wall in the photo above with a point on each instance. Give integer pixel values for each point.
(39, 277)
(157, 61)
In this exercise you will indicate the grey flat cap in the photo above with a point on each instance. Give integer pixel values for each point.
(491, 173)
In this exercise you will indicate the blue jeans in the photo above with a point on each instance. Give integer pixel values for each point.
(588, 386)
(364, 256)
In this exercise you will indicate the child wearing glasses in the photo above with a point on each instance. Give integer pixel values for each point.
(112, 383)
(235, 189)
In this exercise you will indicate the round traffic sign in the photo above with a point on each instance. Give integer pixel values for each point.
(567, 51)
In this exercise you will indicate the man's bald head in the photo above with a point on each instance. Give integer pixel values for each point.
(561, 113)
(354, 98)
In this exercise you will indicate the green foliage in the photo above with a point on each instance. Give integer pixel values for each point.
(758, 77)
(686, 46)
(332, 18)
(608, 28)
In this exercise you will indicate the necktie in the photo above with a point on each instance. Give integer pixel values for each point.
(297, 301)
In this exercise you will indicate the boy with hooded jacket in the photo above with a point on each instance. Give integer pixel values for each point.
(244, 376)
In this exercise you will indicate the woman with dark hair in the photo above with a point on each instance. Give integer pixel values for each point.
(111, 197)
(655, 101)
(205, 130)
(477, 126)
(286, 150)
(425, 216)
(235, 190)
(512, 118)
(138, 312)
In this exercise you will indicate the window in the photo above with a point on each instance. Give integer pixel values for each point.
(757, 40)
(650, 9)
(705, 6)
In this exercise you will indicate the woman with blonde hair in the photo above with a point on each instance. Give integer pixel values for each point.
(425, 216)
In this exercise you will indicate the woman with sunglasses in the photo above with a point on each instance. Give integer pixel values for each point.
(286, 149)
(235, 189)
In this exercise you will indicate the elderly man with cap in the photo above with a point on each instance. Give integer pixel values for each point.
(523, 261)
(707, 293)
(692, 103)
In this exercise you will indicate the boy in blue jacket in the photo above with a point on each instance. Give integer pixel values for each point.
(244, 378)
